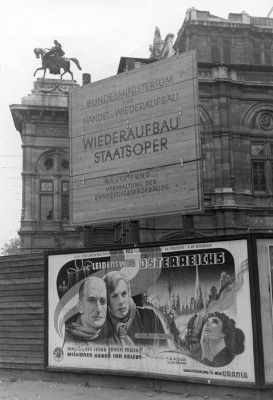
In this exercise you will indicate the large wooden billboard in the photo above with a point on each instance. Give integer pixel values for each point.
(135, 146)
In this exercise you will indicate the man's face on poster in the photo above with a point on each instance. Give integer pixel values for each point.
(93, 305)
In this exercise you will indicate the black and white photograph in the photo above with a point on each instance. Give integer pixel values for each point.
(136, 238)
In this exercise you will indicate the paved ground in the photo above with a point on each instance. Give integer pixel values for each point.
(19, 389)
(38, 390)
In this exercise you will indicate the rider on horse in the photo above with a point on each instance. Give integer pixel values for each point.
(53, 59)
(55, 51)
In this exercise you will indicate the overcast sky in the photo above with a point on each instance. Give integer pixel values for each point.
(97, 33)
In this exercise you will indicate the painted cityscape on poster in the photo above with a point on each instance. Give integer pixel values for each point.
(179, 310)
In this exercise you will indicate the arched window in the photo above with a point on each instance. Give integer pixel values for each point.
(259, 120)
(53, 186)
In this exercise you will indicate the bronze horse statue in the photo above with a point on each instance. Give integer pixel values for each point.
(53, 63)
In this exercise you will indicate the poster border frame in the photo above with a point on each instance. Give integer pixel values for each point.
(258, 305)
(254, 305)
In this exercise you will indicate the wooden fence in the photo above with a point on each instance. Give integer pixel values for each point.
(22, 335)
(22, 311)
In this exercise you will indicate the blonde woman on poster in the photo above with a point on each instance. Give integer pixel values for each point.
(129, 324)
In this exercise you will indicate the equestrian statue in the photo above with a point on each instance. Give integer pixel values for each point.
(53, 59)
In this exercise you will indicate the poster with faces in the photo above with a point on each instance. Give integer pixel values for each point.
(180, 310)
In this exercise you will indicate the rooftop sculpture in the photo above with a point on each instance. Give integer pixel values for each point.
(161, 48)
(54, 60)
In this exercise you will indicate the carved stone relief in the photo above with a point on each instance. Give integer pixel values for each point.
(204, 73)
(50, 86)
(265, 121)
(254, 77)
(52, 130)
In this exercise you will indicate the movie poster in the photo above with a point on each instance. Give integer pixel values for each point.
(270, 250)
(179, 310)
(265, 270)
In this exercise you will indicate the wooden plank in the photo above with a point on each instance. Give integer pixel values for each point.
(21, 329)
(32, 263)
(21, 281)
(25, 322)
(22, 360)
(23, 335)
(22, 318)
(9, 365)
(21, 347)
(148, 153)
(173, 184)
(23, 269)
(29, 298)
(29, 305)
(18, 311)
(27, 292)
(126, 89)
(21, 275)
(22, 258)
(22, 341)
(19, 286)
(33, 326)
(21, 353)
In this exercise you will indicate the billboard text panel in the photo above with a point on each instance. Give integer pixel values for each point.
(137, 123)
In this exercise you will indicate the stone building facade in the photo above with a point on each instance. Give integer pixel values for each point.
(235, 79)
(42, 120)
(236, 119)
(236, 123)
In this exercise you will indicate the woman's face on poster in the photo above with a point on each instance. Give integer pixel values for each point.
(212, 329)
(119, 300)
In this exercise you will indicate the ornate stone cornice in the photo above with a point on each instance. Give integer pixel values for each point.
(35, 114)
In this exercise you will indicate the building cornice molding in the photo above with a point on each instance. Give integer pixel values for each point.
(22, 113)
